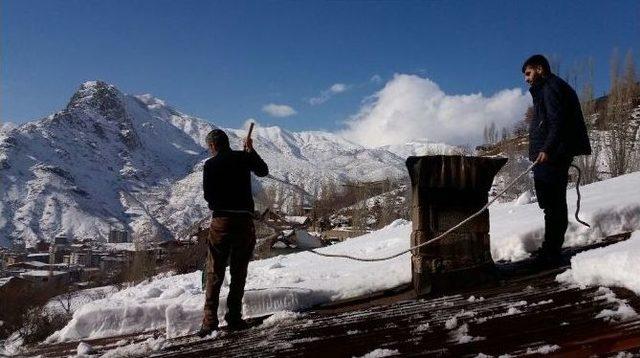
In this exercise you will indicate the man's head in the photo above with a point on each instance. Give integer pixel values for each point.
(217, 141)
(535, 68)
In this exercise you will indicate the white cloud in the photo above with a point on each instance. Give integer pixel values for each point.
(375, 79)
(338, 88)
(410, 107)
(278, 110)
(325, 95)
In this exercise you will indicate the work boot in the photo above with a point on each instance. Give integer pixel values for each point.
(546, 260)
(206, 330)
(237, 324)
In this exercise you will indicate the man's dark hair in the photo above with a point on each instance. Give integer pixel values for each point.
(218, 138)
(537, 60)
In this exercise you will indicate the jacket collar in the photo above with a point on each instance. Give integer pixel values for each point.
(537, 87)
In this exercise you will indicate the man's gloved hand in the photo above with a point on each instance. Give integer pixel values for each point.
(542, 157)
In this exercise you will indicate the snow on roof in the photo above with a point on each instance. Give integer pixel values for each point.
(4, 280)
(614, 265)
(40, 254)
(42, 273)
(301, 280)
(34, 263)
(120, 246)
(610, 206)
(296, 219)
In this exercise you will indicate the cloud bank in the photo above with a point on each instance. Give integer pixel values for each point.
(278, 110)
(325, 95)
(411, 107)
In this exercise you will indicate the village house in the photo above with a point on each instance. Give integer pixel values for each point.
(118, 236)
(40, 277)
(297, 221)
(42, 246)
(82, 258)
(89, 274)
(28, 265)
(12, 286)
(13, 258)
(42, 257)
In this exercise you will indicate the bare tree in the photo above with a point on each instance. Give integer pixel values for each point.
(587, 100)
(490, 133)
(65, 300)
(516, 163)
(589, 164)
(554, 63)
(621, 131)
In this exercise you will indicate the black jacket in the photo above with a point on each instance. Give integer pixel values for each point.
(557, 127)
(227, 182)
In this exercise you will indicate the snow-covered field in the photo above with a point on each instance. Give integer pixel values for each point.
(301, 280)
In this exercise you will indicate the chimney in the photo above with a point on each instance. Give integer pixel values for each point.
(447, 189)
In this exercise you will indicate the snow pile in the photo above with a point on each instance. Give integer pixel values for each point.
(614, 265)
(137, 349)
(610, 206)
(525, 198)
(12, 345)
(304, 240)
(423, 327)
(70, 302)
(280, 318)
(84, 349)
(622, 310)
(381, 352)
(282, 283)
(546, 349)
(475, 299)
(461, 335)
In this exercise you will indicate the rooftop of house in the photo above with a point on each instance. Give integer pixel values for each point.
(43, 273)
(39, 254)
(527, 312)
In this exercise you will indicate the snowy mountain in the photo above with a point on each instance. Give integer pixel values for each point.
(115, 160)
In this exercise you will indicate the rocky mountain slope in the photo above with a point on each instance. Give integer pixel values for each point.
(114, 160)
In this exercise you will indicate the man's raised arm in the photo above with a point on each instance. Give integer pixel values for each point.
(256, 164)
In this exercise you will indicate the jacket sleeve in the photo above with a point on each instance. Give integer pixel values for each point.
(554, 117)
(206, 187)
(257, 165)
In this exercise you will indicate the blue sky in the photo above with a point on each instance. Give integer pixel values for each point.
(225, 61)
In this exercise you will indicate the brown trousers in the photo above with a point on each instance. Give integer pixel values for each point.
(231, 239)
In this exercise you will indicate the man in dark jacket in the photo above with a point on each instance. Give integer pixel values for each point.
(557, 133)
(227, 190)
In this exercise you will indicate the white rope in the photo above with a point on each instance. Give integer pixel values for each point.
(365, 259)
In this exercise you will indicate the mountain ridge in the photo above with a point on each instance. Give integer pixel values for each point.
(112, 159)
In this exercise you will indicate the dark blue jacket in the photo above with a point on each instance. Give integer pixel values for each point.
(557, 127)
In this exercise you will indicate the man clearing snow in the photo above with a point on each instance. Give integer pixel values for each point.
(557, 133)
(227, 189)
